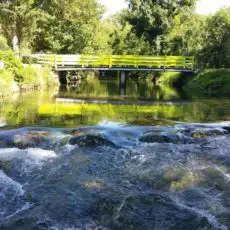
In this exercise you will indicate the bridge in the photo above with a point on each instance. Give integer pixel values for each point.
(116, 62)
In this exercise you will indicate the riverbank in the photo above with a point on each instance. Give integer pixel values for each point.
(16, 77)
(207, 83)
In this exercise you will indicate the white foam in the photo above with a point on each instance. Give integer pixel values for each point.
(2, 123)
(223, 172)
(32, 157)
(8, 183)
(26, 206)
(40, 153)
(36, 153)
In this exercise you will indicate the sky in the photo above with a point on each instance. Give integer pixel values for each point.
(203, 6)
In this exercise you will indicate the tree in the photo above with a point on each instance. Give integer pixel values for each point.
(70, 27)
(152, 19)
(216, 50)
(19, 19)
(123, 40)
(186, 35)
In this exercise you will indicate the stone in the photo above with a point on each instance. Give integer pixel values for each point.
(90, 141)
(159, 138)
(202, 133)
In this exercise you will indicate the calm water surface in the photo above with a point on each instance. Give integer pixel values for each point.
(101, 156)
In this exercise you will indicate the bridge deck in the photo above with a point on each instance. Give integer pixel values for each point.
(116, 62)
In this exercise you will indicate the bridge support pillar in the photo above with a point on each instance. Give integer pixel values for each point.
(123, 82)
(62, 77)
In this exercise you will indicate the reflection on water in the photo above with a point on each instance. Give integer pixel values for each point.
(112, 89)
(94, 101)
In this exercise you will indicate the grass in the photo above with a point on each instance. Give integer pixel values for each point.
(209, 83)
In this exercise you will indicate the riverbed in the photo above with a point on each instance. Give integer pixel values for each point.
(95, 156)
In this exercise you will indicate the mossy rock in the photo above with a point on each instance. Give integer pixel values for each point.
(202, 133)
(30, 139)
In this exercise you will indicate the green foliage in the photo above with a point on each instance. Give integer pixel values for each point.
(11, 62)
(152, 19)
(37, 78)
(6, 78)
(26, 76)
(216, 50)
(186, 35)
(3, 43)
(149, 27)
(69, 28)
(211, 82)
(170, 78)
(19, 19)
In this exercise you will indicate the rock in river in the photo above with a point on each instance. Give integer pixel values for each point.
(208, 132)
(90, 140)
(160, 138)
(30, 139)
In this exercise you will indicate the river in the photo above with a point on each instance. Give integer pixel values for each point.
(100, 156)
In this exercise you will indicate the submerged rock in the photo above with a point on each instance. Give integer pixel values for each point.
(94, 184)
(6, 165)
(160, 138)
(90, 141)
(202, 133)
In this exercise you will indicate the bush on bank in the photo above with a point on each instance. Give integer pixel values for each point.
(16, 76)
(209, 83)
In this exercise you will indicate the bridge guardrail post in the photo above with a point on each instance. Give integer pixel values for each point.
(110, 61)
(55, 62)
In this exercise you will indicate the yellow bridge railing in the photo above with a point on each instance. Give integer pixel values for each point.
(115, 61)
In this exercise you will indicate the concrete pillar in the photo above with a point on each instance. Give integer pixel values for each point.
(62, 77)
(123, 82)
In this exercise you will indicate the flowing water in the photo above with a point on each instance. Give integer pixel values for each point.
(96, 156)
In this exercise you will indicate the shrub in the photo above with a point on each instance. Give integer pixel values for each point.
(6, 81)
(26, 76)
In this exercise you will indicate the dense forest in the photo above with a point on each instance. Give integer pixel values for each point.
(146, 27)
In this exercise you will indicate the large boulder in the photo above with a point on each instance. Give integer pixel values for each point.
(208, 132)
(90, 140)
(30, 139)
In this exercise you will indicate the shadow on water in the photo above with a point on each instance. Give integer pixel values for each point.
(112, 89)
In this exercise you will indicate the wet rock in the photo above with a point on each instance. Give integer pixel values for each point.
(38, 133)
(30, 139)
(160, 138)
(78, 133)
(90, 141)
(202, 133)
(227, 128)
